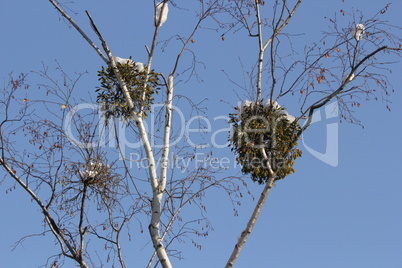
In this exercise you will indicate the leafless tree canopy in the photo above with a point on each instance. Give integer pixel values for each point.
(88, 192)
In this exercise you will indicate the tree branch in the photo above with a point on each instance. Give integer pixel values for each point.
(320, 103)
(51, 223)
(92, 44)
(250, 225)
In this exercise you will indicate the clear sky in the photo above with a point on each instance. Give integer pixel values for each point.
(341, 215)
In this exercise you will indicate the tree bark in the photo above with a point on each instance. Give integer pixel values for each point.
(154, 230)
(154, 227)
(250, 225)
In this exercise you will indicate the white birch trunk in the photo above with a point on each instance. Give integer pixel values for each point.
(154, 227)
(250, 225)
(154, 230)
(260, 54)
(158, 186)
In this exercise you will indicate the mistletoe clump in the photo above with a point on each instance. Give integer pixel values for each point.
(264, 139)
(141, 87)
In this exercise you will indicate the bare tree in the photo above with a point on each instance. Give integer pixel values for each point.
(80, 187)
(343, 66)
(349, 62)
(86, 194)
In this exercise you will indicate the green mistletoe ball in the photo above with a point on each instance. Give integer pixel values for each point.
(141, 87)
(264, 140)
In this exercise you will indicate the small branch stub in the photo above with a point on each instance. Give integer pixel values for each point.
(264, 138)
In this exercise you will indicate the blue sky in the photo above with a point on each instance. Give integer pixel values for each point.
(321, 216)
